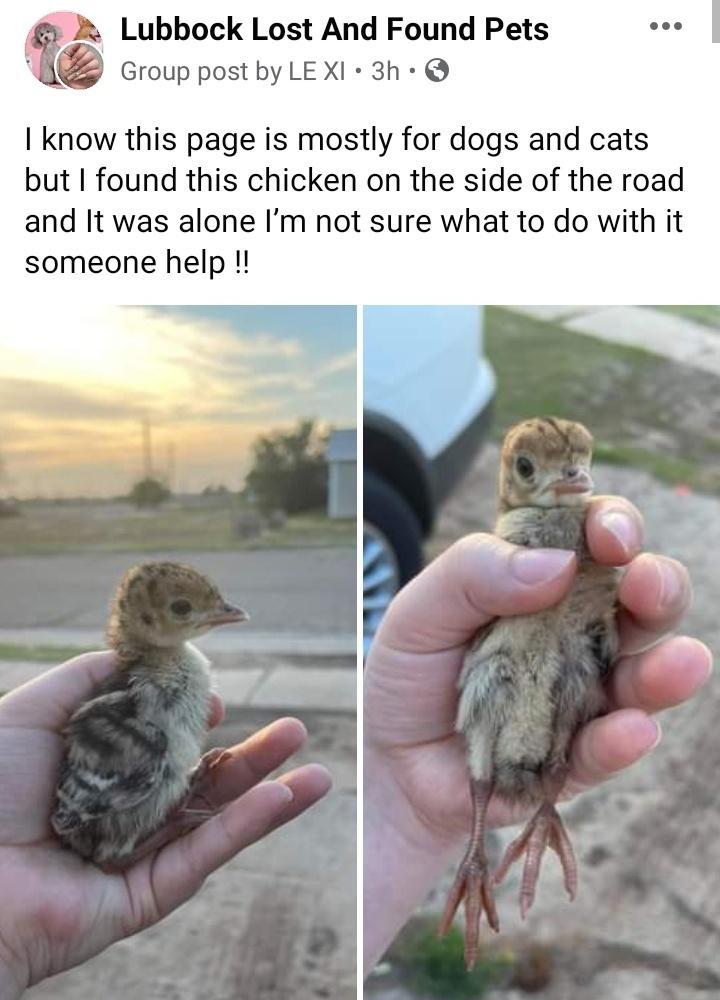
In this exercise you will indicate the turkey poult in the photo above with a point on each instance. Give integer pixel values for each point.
(529, 682)
(132, 757)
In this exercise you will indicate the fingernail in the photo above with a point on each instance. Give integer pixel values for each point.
(286, 790)
(532, 566)
(672, 583)
(623, 528)
(654, 734)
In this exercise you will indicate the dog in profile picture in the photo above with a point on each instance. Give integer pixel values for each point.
(46, 37)
(87, 32)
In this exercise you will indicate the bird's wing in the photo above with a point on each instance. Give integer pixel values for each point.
(115, 758)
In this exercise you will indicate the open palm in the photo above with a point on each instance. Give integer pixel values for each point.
(58, 910)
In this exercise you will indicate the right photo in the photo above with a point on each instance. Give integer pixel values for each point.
(540, 588)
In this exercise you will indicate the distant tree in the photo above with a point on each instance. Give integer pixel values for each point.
(149, 492)
(289, 471)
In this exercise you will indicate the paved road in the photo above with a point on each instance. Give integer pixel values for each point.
(285, 590)
(646, 923)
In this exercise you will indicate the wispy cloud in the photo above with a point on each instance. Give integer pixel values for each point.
(75, 386)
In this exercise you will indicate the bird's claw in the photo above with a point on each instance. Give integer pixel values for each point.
(474, 885)
(202, 778)
(544, 829)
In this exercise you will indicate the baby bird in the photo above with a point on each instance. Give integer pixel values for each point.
(132, 752)
(529, 682)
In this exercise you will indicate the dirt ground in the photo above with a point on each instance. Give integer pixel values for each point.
(646, 923)
(277, 923)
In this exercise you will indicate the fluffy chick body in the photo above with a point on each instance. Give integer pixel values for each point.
(131, 749)
(530, 681)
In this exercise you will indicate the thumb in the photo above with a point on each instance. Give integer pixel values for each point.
(479, 578)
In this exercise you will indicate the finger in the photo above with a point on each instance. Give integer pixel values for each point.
(472, 582)
(217, 711)
(50, 699)
(255, 758)
(666, 675)
(181, 867)
(88, 68)
(655, 593)
(309, 784)
(82, 55)
(610, 744)
(614, 530)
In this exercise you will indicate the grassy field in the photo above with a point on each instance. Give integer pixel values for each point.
(116, 527)
(39, 654)
(643, 410)
(707, 315)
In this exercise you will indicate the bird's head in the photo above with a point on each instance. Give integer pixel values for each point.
(545, 462)
(166, 604)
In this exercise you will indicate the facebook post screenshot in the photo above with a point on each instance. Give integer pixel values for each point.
(357, 617)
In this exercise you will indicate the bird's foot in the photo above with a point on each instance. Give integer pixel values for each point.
(202, 779)
(474, 884)
(545, 829)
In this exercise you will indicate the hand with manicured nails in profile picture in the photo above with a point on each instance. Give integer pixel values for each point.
(80, 67)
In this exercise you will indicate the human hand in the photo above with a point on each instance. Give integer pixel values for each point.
(58, 910)
(80, 66)
(417, 791)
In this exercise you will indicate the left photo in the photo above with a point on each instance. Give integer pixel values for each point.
(178, 652)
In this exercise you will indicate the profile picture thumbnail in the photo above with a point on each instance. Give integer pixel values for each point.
(64, 50)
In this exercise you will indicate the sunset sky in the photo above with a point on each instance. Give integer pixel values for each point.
(76, 385)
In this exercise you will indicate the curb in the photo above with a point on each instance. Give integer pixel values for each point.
(282, 688)
(248, 641)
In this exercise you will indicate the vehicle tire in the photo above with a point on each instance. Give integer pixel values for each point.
(393, 517)
(392, 549)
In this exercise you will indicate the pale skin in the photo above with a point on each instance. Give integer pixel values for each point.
(417, 806)
(58, 910)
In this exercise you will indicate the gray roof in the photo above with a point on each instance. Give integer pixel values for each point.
(342, 446)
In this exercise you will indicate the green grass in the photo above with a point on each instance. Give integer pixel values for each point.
(47, 529)
(38, 654)
(644, 410)
(435, 966)
(707, 315)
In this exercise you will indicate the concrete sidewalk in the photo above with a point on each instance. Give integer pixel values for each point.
(222, 642)
(670, 336)
(275, 684)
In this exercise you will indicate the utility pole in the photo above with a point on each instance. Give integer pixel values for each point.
(147, 449)
(171, 465)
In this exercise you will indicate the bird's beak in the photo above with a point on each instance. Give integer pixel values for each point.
(227, 614)
(581, 483)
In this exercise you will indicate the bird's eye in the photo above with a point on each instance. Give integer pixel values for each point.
(181, 608)
(524, 467)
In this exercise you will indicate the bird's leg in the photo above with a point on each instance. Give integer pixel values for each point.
(177, 824)
(544, 829)
(472, 881)
(202, 780)
(192, 811)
